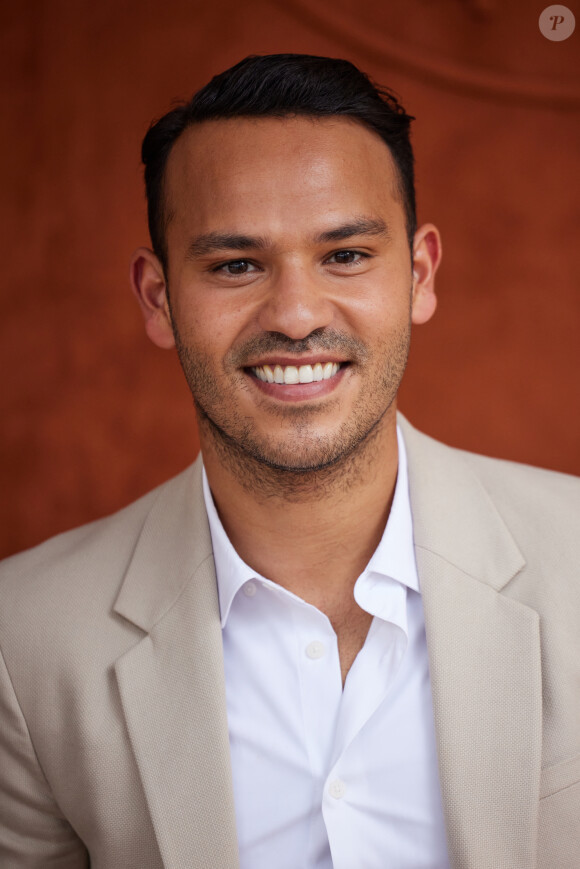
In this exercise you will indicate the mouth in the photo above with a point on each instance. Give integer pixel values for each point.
(295, 374)
(297, 383)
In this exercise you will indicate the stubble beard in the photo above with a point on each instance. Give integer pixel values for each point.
(302, 464)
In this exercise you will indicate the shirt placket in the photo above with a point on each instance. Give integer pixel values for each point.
(366, 689)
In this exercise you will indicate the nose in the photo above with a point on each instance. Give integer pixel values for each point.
(296, 303)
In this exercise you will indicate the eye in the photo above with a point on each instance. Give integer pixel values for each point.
(235, 267)
(347, 257)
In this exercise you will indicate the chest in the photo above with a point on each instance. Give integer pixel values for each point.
(351, 625)
(319, 769)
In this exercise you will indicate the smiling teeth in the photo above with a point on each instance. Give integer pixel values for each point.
(294, 374)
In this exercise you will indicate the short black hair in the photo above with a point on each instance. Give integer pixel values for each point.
(279, 86)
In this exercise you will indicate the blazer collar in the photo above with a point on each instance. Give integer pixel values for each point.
(484, 656)
(173, 543)
(453, 514)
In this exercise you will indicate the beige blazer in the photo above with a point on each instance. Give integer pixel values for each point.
(113, 730)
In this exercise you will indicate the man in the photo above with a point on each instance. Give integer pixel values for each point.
(337, 643)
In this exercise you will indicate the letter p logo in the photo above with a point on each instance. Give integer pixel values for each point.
(557, 23)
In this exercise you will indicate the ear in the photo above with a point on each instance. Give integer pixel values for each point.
(426, 259)
(148, 283)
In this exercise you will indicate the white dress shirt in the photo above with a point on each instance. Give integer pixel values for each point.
(326, 778)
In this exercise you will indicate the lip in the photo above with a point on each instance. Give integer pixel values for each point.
(296, 392)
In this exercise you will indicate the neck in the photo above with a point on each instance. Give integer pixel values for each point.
(313, 532)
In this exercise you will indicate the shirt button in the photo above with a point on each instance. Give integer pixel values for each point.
(250, 589)
(315, 650)
(337, 789)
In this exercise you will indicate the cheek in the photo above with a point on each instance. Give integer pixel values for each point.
(378, 309)
(209, 325)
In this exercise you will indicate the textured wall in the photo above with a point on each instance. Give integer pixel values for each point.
(92, 415)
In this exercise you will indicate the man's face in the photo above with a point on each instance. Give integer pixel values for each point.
(290, 284)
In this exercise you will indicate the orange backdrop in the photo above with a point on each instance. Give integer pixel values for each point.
(92, 414)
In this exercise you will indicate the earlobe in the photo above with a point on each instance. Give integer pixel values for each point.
(149, 286)
(426, 259)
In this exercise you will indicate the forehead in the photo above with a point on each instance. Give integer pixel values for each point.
(276, 166)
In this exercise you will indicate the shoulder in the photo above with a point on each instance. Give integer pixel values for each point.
(81, 568)
(453, 489)
(511, 476)
(534, 490)
(534, 495)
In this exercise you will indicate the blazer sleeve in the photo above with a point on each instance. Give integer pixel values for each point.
(33, 831)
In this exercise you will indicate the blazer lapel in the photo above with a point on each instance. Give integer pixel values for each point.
(484, 651)
(172, 682)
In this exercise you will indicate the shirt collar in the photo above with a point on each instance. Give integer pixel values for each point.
(231, 571)
(394, 557)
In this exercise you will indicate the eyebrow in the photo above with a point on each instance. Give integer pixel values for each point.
(212, 242)
(361, 226)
